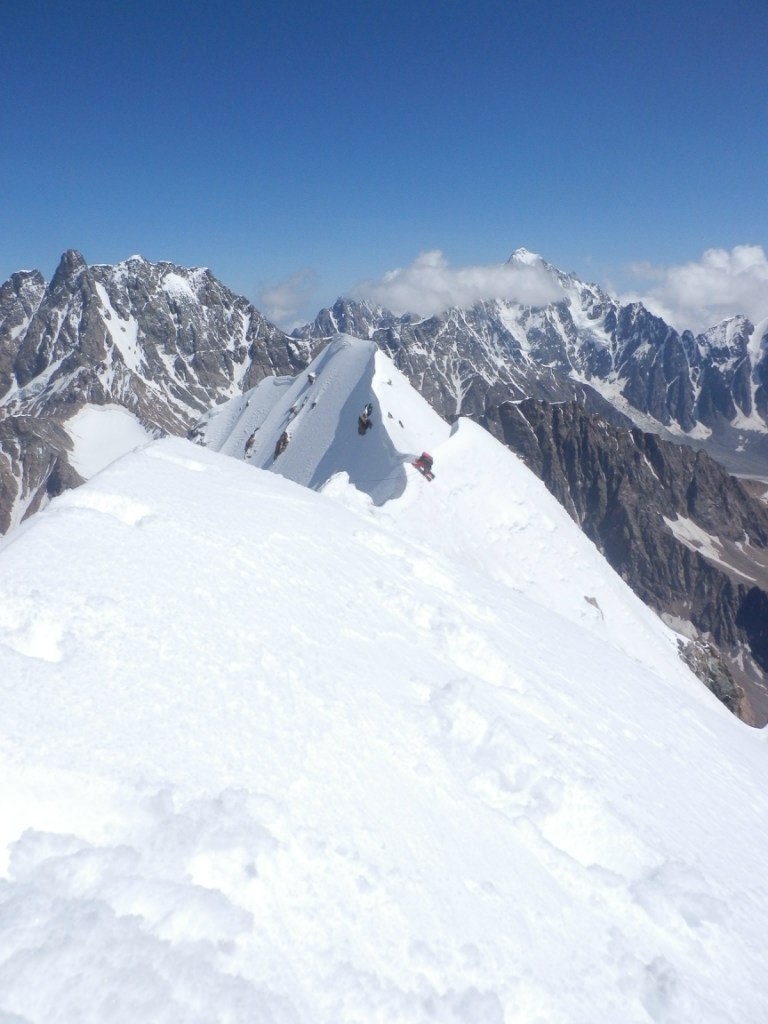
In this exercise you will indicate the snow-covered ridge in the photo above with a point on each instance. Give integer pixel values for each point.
(397, 750)
(477, 481)
(280, 755)
(307, 428)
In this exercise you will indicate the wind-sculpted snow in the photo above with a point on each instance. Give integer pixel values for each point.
(273, 755)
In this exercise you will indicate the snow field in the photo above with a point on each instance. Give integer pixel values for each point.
(280, 756)
(101, 434)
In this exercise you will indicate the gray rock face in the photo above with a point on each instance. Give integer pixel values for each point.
(129, 332)
(19, 298)
(162, 341)
(729, 382)
(706, 663)
(33, 465)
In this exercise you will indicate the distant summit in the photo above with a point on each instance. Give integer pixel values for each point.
(710, 389)
(524, 257)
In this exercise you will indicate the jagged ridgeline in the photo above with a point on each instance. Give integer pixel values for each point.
(614, 359)
(164, 342)
(588, 391)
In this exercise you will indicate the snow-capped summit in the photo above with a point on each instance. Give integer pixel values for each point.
(523, 257)
(308, 427)
(584, 341)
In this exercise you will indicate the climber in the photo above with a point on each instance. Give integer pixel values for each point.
(364, 421)
(424, 465)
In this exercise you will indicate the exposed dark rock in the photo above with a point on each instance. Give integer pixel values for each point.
(33, 465)
(706, 663)
(19, 298)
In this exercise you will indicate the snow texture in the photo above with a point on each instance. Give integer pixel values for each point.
(271, 755)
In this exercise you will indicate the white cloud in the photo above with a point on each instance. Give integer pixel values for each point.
(700, 294)
(429, 285)
(282, 301)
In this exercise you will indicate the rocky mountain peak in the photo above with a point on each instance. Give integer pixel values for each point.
(708, 389)
(19, 296)
(23, 280)
(164, 342)
(71, 265)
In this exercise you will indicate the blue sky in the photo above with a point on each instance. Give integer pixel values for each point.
(298, 149)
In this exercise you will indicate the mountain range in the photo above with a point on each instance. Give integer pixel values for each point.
(711, 389)
(633, 426)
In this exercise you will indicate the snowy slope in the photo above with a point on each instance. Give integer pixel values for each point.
(274, 755)
(514, 520)
(318, 414)
(102, 433)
